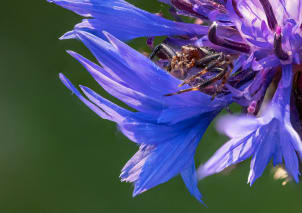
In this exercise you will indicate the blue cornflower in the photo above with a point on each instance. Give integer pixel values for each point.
(167, 129)
(252, 45)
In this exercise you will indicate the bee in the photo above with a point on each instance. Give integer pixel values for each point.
(202, 68)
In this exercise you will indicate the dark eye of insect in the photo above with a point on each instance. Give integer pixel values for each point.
(202, 68)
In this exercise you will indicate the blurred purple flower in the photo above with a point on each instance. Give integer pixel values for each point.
(263, 40)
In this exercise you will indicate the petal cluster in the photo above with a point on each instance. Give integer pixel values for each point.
(167, 129)
(269, 137)
(263, 40)
(271, 28)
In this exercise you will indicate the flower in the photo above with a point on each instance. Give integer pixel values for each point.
(270, 136)
(273, 32)
(167, 129)
(242, 49)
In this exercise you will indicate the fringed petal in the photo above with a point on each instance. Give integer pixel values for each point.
(124, 20)
(189, 177)
(265, 138)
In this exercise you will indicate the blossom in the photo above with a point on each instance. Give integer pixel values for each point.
(270, 136)
(166, 129)
(273, 32)
(255, 44)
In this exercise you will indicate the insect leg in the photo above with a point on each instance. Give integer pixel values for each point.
(183, 91)
(212, 80)
(204, 50)
(224, 81)
(207, 59)
(217, 70)
(205, 70)
(165, 49)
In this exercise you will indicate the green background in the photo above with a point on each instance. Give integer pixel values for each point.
(56, 156)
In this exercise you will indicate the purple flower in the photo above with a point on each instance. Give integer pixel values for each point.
(268, 137)
(273, 32)
(242, 49)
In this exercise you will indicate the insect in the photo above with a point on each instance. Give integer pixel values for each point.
(202, 68)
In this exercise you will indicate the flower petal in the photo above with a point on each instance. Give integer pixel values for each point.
(124, 20)
(120, 90)
(93, 107)
(234, 151)
(189, 177)
(266, 138)
(168, 159)
(269, 136)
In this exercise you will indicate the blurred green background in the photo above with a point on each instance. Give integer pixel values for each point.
(56, 156)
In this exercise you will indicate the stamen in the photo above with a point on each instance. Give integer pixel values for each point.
(225, 42)
(252, 108)
(279, 52)
(235, 6)
(200, 8)
(271, 19)
(173, 13)
(187, 6)
(150, 42)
